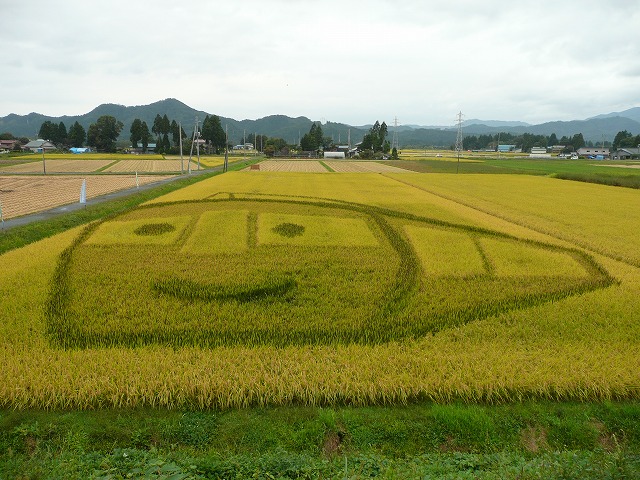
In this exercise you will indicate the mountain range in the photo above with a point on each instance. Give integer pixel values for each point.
(604, 126)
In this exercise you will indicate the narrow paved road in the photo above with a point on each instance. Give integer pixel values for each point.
(47, 214)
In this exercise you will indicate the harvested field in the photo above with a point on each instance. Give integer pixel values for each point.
(365, 167)
(58, 166)
(292, 166)
(24, 195)
(630, 165)
(150, 166)
(313, 166)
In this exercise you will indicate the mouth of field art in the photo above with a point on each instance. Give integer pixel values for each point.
(294, 272)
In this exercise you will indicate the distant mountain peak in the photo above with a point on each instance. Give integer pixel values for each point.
(632, 113)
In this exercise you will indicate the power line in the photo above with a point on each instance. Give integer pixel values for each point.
(394, 142)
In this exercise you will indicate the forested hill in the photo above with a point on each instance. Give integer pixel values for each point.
(279, 126)
(291, 129)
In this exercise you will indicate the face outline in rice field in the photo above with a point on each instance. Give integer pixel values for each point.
(294, 271)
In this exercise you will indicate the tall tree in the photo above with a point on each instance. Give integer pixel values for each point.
(312, 140)
(578, 141)
(103, 134)
(77, 135)
(623, 139)
(213, 133)
(375, 140)
(145, 136)
(62, 133)
(48, 131)
(136, 132)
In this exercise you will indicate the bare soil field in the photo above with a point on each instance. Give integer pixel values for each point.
(291, 166)
(364, 167)
(57, 166)
(150, 166)
(631, 165)
(24, 195)
(314, 166)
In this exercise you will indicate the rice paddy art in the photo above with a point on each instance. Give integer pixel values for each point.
(282, 272)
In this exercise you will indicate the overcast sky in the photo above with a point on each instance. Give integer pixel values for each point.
(345, 61)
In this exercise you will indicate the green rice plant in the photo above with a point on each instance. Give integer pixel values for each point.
(157, 231)
(351, 276)
(217, 232)
(445, 252)
(289, 230)
(154, 228)
(189, 291)
(317, 230)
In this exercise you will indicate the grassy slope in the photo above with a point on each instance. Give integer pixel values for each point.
(530, 440)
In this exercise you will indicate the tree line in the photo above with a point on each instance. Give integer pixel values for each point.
(525, 141)
(102, 135)
(374, 143)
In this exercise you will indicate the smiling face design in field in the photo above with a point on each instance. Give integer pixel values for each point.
(285, 272)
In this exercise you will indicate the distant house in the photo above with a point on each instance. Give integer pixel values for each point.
(151, 147)
(592, 152)
(38, 146)
(626, 154)
(8, 144)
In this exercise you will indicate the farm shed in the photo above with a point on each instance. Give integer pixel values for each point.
(80, 150)
(334, 155)
(539, 152)
(593, 152)
(626, 154)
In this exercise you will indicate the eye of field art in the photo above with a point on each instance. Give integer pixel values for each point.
(285, 272)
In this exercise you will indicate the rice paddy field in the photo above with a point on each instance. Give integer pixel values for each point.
(262, 288)
(22, 195)
(291, 324)
(97, 163)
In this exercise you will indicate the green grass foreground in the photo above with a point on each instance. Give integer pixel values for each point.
(523, 441)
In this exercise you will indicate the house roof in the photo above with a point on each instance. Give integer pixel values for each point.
(39, 144)
(629, 150)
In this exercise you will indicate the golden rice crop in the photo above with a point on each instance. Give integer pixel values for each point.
(319, 231)
(581, 347)
(223, 231)
(128, 232)
(594, 217)
(446, 252)
(305, 166)
(302, 272)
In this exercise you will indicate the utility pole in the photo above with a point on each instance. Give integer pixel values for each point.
(196, 133)
(181, 158)
(226, 148)
(44, 166)
(459, 139)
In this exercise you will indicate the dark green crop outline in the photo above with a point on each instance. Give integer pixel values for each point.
(65, 332)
